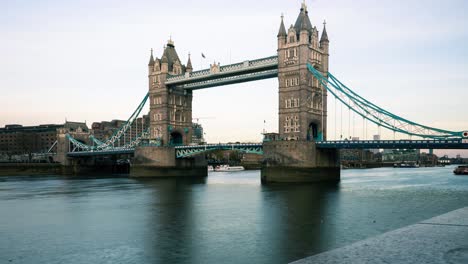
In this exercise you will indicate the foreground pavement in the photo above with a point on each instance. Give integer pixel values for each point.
(442, 239)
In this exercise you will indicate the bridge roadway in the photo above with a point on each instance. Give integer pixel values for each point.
(246, 71)
(257, 148)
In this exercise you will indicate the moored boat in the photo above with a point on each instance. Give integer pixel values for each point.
(406, 165)
(228, 168)
(461, 170)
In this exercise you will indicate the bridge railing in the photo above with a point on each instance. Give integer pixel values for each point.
(226, 69)
(394, 144)
(187, 151)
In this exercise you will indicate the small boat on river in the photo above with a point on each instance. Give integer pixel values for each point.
(406, 165)
(228, 168)
(461, 170)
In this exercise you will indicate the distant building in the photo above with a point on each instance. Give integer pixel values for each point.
(197, 134)
(356, 155)
(17, 139)
(106, 129)
(375, 151)
(428, 159)
(445, 160)
(400, 155)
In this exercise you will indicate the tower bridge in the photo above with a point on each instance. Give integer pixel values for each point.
(300, 151)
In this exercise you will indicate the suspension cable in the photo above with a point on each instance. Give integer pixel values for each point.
(336, 117)
(349, 122)
(354, 125)
(378, 115)
(341, 121)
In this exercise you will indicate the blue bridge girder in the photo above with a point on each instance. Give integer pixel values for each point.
(257, 148)
(187, 151)
(394, 144)
(106, 152)
(246, 71)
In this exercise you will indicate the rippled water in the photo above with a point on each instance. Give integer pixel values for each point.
(225, 218)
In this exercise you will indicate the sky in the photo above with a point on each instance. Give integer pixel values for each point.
(87, 60)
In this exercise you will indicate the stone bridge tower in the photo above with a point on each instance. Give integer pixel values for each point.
(302, 99)
(302, 108)
(170, 122)
(170, 109)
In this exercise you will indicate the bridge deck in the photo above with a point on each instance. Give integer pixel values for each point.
(246, 71)
(395, 144)
(257, 148)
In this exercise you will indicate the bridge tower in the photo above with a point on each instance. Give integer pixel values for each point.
(170, 109)
(170, 122)
(302, 100)
(302, 108)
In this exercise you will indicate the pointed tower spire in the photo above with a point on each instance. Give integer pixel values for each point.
(324, 37)
(151, 61)
(282, 30)
(304, 26)
(303, 21)
(189, 67)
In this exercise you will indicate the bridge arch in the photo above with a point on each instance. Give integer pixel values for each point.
(313, 132)
(176, 138)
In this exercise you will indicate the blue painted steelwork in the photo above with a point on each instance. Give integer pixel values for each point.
(246, 71)
(109, 143)
(394, 144)
(377, 115)
(187, 151)
(95, 140)
(257, 148)
(108, 152)
(268, 68)
(121, 132)
(181, 151)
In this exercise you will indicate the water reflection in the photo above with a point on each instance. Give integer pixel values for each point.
(225, 218)
(297, 218)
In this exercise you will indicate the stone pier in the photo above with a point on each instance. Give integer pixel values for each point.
(299, 161)
(161, 162)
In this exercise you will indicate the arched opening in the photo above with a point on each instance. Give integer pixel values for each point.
(312, 132)
(176, 139)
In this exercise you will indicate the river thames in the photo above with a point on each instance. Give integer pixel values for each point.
(225, 218)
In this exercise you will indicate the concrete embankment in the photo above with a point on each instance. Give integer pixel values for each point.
(32, 169)
(15, 169)
(442, 239)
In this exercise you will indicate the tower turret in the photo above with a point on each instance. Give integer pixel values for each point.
(282, 34)
(324, 45)
(157, 65)
(151, 63)
(164, 64)
(324, 42)
(189, 67)
(304, 35)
